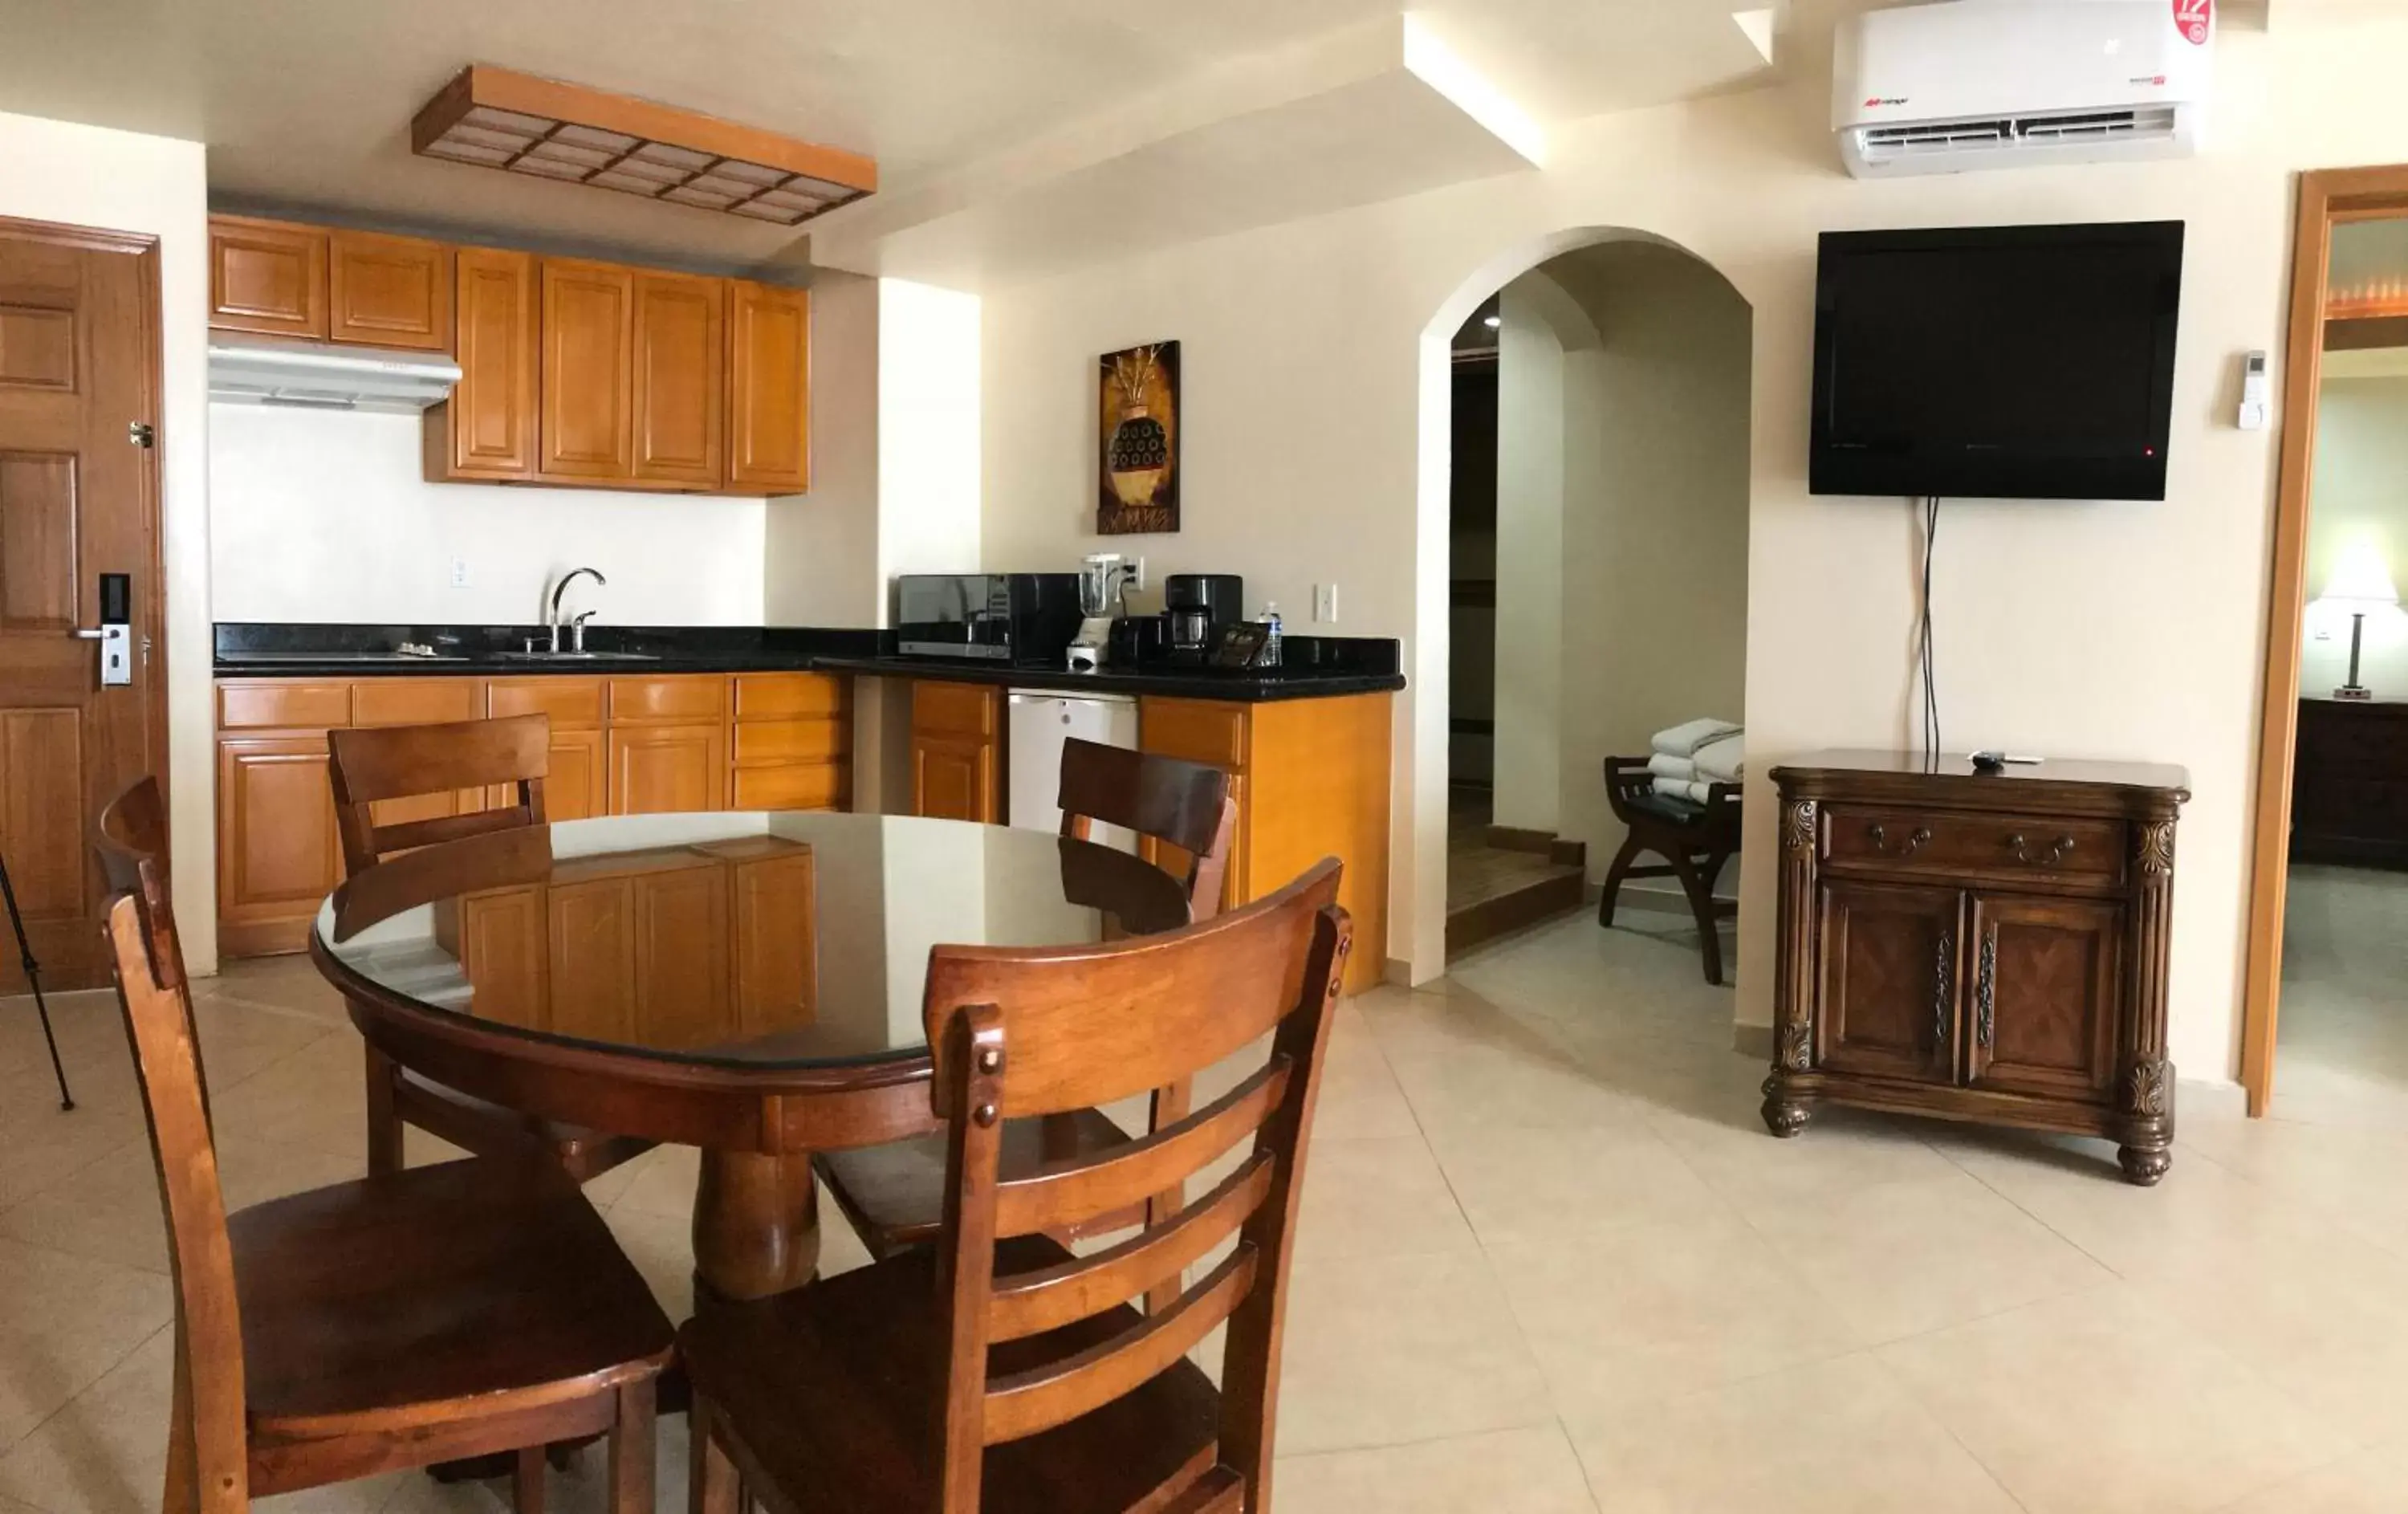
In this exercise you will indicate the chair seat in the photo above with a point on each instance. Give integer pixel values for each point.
(832, 1390)
(895, 1194)
(471, 1282)
(489, 1130)
(1680, 812)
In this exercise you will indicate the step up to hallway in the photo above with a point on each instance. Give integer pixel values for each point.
(1500, 880)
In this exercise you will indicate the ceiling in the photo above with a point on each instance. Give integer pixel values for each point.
(307, 103)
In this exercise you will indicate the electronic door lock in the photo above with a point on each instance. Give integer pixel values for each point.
(116, 631)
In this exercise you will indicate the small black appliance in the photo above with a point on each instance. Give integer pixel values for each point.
(1020, 620)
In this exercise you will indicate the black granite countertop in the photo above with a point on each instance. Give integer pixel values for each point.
(1316, 666)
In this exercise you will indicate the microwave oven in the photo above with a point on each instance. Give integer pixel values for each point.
(1023, 620)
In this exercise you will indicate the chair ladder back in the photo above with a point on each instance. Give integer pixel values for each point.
(1290, 949)
(1061, 1196)
(208, 1445)
(373, 763)
(1186, 805)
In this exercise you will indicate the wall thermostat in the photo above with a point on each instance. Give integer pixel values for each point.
(2256, 393)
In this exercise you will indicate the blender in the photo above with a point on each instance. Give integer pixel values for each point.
(1100, 581)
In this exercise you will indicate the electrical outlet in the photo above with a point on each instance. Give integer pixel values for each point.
(1136, 567)
(459, 572)
(1325, 603)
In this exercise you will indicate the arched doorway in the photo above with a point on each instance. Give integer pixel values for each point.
(1609, 587)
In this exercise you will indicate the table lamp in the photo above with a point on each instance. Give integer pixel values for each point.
(2360, 586)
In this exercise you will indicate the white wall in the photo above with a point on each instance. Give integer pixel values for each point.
(2358, 502)
(1653, 566)
(326, 517)
(821, 549)
(1315, 374)
(122, 181)
(1530, 561)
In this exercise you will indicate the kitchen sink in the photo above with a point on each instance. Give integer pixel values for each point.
(576, 656)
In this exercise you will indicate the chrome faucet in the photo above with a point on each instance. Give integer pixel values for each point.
(561, 587)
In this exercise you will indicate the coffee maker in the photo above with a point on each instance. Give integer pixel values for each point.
(1197, 605)
(1101, 584)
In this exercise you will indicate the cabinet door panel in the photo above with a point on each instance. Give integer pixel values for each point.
(388, 290)
(592, 962)
(768, 388)
(792, 785)
(953, 778)
(1891, 980)
(2043, 1001)
(577, 786)
(487, 428)
(267, 275)
(278, 852)
(776, 935)
(661, 770)
(587, 330)
(505, 949)
(681, 957)
(681, 378)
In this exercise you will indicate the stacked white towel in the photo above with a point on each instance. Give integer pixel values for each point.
(1723, 760)
(1694, 789)
(1665, 765)
(1683, 740)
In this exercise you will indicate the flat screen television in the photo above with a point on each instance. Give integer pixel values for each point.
(1998, 362)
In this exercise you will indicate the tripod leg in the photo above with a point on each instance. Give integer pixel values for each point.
(34, 981)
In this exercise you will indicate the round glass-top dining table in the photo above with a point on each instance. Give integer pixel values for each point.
(749, 983)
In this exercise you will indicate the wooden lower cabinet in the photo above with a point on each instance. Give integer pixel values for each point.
(674, 742)
(1311, 780)
(957, 751)
(664, 769)
(683, 947)
(1978, 948)
(278, 853)
(1889, 979)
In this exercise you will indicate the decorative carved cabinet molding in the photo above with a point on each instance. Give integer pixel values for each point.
(1979, 948)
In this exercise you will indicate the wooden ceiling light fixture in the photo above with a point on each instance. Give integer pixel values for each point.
(498, 119)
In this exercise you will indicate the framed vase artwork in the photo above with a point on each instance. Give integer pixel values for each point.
(1138, 440)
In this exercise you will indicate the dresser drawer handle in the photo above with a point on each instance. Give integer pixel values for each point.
(2057, 852)
(1916, 841)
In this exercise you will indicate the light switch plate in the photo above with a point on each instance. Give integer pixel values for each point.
(1325, 603)
(459, 572)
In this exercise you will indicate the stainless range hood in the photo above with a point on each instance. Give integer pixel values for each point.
(323, 376)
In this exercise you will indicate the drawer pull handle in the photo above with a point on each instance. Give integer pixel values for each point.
(1916, 841)
(1943, 977)
(2057, 852)
(1986, 991)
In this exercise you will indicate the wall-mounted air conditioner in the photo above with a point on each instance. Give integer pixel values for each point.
(2003, 83)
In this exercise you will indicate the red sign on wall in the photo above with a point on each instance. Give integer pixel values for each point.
(2195, 20)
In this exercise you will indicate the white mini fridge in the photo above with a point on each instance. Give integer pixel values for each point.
(1039, 721)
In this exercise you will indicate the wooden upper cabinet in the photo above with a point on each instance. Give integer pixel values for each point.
(388, 290)
(768, 388)
(487, 430)
(267, 275)
(680, 356)
(587, 376)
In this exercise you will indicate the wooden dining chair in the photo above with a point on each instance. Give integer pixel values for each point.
(388, 764)
(894, 1195)
(995, 1371)
(466, 1309)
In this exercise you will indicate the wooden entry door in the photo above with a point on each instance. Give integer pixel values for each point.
(78, 318)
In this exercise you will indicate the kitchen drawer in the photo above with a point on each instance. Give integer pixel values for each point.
(2041, 847)
(760, 742)
(954, 709)
(413, 701)
(573, 703)
(675, 697)
(791, 786)
(281, 705)
(1199, 730)
(788, 696)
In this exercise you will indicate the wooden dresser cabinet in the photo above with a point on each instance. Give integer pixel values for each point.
(1978, 947)
(2349, 783)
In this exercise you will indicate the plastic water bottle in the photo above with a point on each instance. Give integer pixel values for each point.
(1271, 641)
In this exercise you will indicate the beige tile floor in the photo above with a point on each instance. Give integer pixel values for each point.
(1548, 1263)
